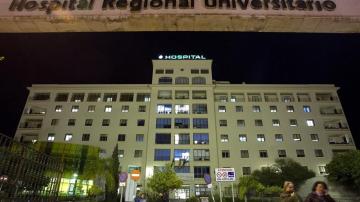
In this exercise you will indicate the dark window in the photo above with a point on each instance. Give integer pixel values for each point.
(77, 97)
(121, 137)
(181, 80)
(162, 155)
(169, 71)
(141, 122)
(71, 122)
(182, 123)
(163, 138)
(199, 108)
(182, 169)
(94, 97)
(103, 138)
(110, 97)
(41, 96)
(163, 123)
(225, 154)
(244, 153)
(123, 122)
(143, 97)
(85, 137)
(200, 123)
(62, 97)
(106, 122)
(204, 71)
(165, 80)
(159, 71)
(263, 154)
(126, 97)
(201, 138)
(54, 122)
(246, 170)
(142, 108)
(198, 80)
(282, 153)
(195, 71)
(199, 171)
(88, 122)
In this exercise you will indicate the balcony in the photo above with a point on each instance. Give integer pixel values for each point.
(35, 111)
(326, 97)
(340, 140)
(237, 98)
(31, 124)
(287, 98)
(303, 97)
(271, 98)
(331, 111)
(335, 125)
(221, 97)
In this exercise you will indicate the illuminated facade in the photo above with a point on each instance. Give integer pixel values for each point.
(186, 118)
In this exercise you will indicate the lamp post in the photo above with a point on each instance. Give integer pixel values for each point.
(75, 175)
(3, 179)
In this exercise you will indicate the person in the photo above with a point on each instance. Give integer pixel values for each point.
(319, 193)
(142, 198)
(137, 198)
(289, 194)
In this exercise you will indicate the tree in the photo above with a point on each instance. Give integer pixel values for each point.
(248, 184)
(283, 170)
(345, 169)
(163, 181)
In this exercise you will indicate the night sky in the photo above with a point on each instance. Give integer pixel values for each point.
(125, 58)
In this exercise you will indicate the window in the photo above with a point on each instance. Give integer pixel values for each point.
(139, 137)
(169, 71)
(182, 123)
(300, 153)
(279, 138)
(241, 123)
(121, 153)
(244, 153)
(54, 122)
(224, 138)
(260, 137)
(41, 96)
(91, 108)
(225, 154)
(242, 138)
(142, 108)
(285, 97)
(276, 122)
(77, 97)
(222, 109)
(273, 108)
(239, 109)
(293, 122)
(198, 80)
(184, 94)
(165, 80)
(258, 122)
(141, 122)
(75, 108)
(159, 71)
(163, 123)
(88, 122)
(51, 137)
(310, 122)
(182, 109)
(68, 137)
(198, 95)
(85, 137)
(199, 171)
(322, 170)
(123, 122)
(108, 108)
(271, 97)
(182, 155)
(103, 138)
(194, 71)
(307, 109)
(71, 122)
(290, 108)
(164, 109)
(319, 153)
(138, 153)
(201, 138)
(237, 97)
(201, 190)
(256, 108)
(263, 153)
(126, 97)
(201, 155)
(182, 138)
(164, 94)
(143, 97)
(223, 123)
(162, 155)
(105, 122)
(246, 170)
(94, 97)
(314, 137)
(199, 108)
(163, 138)
(121, 137)
(200, 123)
(125, 108)
(282, 153)
(297, 137)
(254, 97)
(204, 71)
(181, 80)
(110, 97)
(58, 108)
(62, 97)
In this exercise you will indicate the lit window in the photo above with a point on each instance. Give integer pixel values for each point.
(181, 109)
(276, 122)
(51, 137)
(121, 153)
(182, 138)
(201, 155)
(222, 109)
(297, 137)
(256, 108)
(58, 108)
(322, 170)
(273, 109)
(164, 109)
(242, 138)
(225, 154)
(290, 108)
(260, 138)
(103, 138)
(108, 108)
(201, 138)
(77, 97)
(224, 138)
(94, 97)
(314, 137)
(263, 154)
(310, 123)
(125, 108)
(182, 155)
(110, 97)
(293, 122)
(307, 109)
(279, 138)
(164, 94)
(143, 97)
(91, 108)
(75, 108)
(68, 137)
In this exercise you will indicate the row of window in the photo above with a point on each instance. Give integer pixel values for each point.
(107, 108)
(257, 108)
(94, 97)
(264, 153)
(181, 94)
(275, 123)
(192, 71)
(182, 123)
(102, 137)
(104, 122)
(182, 80)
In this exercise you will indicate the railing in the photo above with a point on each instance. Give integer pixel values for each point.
(30, 125)
(271, 99)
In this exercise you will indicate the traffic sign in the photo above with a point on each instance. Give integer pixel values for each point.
(225, 174)
(207, 179)
(135, 175)
(123, 177)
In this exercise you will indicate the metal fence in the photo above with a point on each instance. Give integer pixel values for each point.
(27, 174)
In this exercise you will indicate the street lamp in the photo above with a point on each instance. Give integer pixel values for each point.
(3, 179)
(75, 175)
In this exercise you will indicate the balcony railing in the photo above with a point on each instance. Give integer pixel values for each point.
(271, 99)
(30, 125)
(327, 98)
(331, 112)
(334, 127)
(304, 99)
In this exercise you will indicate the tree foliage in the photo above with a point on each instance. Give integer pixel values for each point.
(164, 180)
(345, 168)
(248, 184)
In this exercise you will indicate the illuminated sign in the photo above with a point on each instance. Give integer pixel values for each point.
(181, 57)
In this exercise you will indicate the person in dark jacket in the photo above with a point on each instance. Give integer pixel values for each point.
(319, 193)
(289, 194)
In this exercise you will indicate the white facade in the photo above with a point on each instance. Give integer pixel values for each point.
(186, 118)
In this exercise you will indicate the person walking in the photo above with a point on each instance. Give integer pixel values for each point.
(319, 193)
(289, 194)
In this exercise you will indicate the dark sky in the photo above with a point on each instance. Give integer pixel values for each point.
(119, 58)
